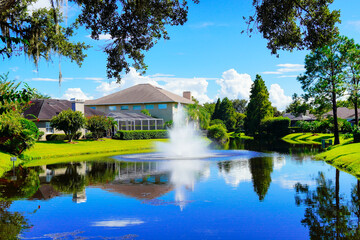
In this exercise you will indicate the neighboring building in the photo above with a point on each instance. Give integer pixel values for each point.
(306, 117)
(43, 110)
(159, 102)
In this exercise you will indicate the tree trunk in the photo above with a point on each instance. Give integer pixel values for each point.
(337, 196)
(336, 125)
(356, 110)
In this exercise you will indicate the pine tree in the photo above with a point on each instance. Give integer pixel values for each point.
(227, 114)
(259, 106)
(215, 114)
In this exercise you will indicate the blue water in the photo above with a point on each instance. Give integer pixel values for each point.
(235, 195)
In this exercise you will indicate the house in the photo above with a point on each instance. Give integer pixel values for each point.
(159, 102)
(43, 110)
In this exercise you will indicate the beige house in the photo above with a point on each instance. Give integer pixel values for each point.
(159, 102)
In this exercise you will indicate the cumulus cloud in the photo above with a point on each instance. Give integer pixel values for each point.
(234, 85)
(75, 93)
(118, 223)
(102, 36)
(106, 88)
(278, 97)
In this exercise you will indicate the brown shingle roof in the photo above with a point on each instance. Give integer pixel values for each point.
(343, 112)
(45, 109)
(141, 93)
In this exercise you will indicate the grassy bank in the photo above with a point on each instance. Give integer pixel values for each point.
(343, 157)
(311, 138)
(55, 152)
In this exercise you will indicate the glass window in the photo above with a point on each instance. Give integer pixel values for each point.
(176, 105)
(112, 108)
(93, 107)
(137, 107)
(162, 106)
(150, 106)
(49, 129)
(124, 107)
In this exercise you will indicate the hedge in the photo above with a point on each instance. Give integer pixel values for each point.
(61, 137)
(140, 134)
(275, 127)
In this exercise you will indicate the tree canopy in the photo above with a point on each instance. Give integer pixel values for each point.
(289, 24)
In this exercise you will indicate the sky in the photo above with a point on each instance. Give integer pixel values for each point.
(208, 56)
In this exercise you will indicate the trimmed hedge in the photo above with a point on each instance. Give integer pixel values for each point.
(140, 134)
(61, 137)
(275, 127)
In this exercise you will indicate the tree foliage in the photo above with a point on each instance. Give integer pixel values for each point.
(261, 169)
(298, 106)
(98, 125)
(324, 77)
(198, 114)
(68, 121)
(289, 24)
(216, 112)
(239, 105)
(227, 114)
(259, 106)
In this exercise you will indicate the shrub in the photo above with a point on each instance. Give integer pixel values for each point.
(356, 134)
(218, 132)
(146, 112)
(88, 135)
(41, 133)
(275, 127)
(217, 122)
(168, 124)
(98, 125)
(56, 137)
(140, 134)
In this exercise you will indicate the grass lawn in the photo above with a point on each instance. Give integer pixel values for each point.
(343, 157)
(310, 138)
(55, 152)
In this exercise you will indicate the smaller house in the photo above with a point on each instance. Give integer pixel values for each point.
(43, 110)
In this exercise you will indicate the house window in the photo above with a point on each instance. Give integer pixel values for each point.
(112, 108)
(124, 107)
(162, 106)
(49, 129)
(137, 107)
(93, 107)
(176, 105)
(150, 106)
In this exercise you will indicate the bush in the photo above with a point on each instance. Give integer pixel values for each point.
(89, 135)
(56, 137)
(140, 134)
(218, 132)
(77, 136)
(275, 127)
(69, 121)
(356, 134)
(98, 125)
(41, 133)
(217, 122)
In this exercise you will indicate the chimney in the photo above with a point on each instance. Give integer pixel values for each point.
(187, 94)
(77, 105)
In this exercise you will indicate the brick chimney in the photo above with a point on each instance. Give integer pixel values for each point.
(187, 94)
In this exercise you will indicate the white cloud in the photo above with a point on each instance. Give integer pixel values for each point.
(106, 88)
(355, 24)
(234, 85)
(75, 93)
(14, 69)
(39, 4)
(102, 36)
(118, 223)
(286, 68)
(278, 97)
(45, 79)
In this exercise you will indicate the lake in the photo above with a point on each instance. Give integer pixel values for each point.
(270, 192)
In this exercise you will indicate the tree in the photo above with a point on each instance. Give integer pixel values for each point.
(68, 121)
(324, 79)
(216, 112)
(259, 106)
(298, 106)
(198, 114)
(227, 114)
(353, 73)
(11, 223)
(210, 108)
(239, 105)
(98, 125)
(261, 169)
(289, 24)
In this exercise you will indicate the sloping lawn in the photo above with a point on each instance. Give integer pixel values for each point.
(344, 157)
(310, 138)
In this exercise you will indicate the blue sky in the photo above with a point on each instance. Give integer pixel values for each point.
(208, 56)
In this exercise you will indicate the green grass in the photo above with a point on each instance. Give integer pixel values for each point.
(310, 138)
(239, 135)
(56, 152)
(343, 157)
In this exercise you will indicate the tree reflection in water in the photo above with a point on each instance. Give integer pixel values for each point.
(261, 169)
(328, 215)
(71, 181)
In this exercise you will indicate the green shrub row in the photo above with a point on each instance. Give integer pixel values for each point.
(61, 137)
(140, 134)
(275, 127)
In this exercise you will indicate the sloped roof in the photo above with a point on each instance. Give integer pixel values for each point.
(343, 112)
(45, 109)
(141, 93)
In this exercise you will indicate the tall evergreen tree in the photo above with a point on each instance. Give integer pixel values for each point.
(259, 106)
(227, 114)
(261, 169)
(324, 76)
(215, 114)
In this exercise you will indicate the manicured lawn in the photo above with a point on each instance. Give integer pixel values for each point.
(310, 138)
(344, 157)
(54, 152)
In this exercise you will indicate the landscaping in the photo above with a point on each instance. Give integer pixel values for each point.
(311, 138)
